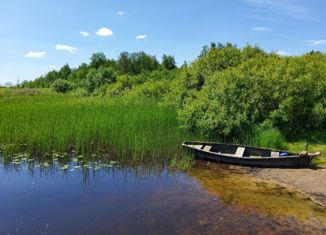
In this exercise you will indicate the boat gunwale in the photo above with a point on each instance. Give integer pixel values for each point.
(239, 145)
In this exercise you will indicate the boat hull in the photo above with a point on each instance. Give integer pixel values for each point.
(295, 161)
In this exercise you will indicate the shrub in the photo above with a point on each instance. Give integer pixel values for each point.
(63, 86)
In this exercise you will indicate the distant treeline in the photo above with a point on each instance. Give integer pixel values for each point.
(225, 92)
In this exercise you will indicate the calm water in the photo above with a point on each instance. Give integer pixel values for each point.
(113, 199)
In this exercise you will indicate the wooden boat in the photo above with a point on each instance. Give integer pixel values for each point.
(248, 156)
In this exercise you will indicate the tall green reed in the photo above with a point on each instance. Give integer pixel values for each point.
(43, 124)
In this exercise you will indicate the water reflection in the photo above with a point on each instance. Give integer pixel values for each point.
(103, 196)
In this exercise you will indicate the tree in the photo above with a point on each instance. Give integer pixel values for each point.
(97, 78)
(64, 72)
(168, 62)
(124, 63)
(63, 86)
(98, 59)
(136, 63)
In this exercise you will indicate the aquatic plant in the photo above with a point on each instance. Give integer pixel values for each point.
(43, 124)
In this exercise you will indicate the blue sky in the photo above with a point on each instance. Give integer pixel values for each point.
(38, 35)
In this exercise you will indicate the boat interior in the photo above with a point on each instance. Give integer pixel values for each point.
(233, 150)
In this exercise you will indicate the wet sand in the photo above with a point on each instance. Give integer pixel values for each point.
(311, 182)
(254, 191)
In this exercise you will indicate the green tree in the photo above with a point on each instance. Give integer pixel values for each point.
(64, 72)
(98, 59)
(168, 62)
(62, 86)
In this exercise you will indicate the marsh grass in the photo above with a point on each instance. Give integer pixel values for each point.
(40, 125)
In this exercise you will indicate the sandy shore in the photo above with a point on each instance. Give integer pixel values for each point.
(312, 182)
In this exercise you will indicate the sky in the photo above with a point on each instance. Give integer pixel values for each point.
(37, 36)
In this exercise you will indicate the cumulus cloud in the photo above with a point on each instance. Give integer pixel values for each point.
(315, 42)
(104, 32)
(67, 48)
(52, 66)
(120, 13)
(261, 29)
(282, 53)
(35, 54)
(141, 37)
(85, 34)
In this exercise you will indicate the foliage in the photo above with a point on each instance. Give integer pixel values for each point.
(287, 92)
(97, 78)
(62, 86)
(224, 93)
(168, 62)
(136, 63)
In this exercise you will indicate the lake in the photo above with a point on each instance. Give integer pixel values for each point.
(38, 198)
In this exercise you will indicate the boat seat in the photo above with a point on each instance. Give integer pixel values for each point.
(207, 148)
(196, 146)
(275, 154)
(239, 152)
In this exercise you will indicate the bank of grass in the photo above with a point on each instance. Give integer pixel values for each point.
(136, 130)
(261, 136)
(312, 147)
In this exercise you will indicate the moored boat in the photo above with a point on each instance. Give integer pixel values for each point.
(247, 155)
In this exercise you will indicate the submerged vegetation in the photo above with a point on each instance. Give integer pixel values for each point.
(234, 187)
(138, 107)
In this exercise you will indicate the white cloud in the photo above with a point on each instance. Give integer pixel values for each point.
(282, 53)
(35, 54)
(85, 34)
(52, 66)
(120, 13)
(141, 37)
(315, 42)
(104, 32)
(67, 48)
(261, 29)
(293, 8)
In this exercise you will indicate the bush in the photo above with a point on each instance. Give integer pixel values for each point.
(269, 138)
(63, 86)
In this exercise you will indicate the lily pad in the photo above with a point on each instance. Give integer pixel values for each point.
(46, 164)
(65, 167)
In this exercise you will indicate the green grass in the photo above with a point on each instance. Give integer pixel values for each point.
(313, 147)
(44, 124)
(262, 137)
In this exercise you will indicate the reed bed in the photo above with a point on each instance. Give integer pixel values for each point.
(41, 125)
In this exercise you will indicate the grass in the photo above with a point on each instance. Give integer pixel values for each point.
(262, 137)
(45, 124)
(313, 147)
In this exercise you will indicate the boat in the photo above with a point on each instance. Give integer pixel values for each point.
(248, 156)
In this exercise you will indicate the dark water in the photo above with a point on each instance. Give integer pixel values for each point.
(148, 200)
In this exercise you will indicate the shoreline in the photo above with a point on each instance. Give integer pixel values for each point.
(310, 182)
